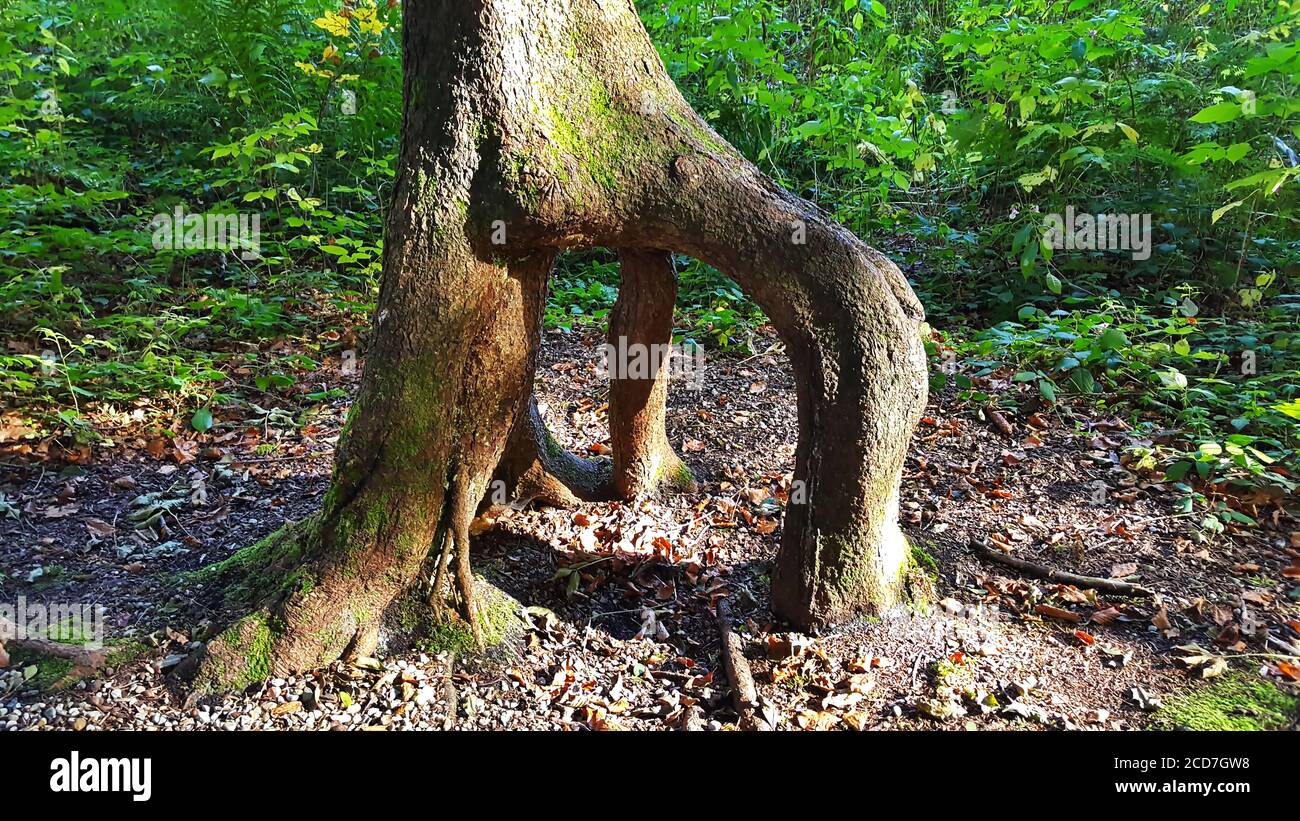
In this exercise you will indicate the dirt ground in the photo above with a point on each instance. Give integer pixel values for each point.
(620, 598)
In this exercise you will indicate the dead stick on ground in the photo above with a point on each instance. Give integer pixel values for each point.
(997, 420)
(449, 692)
(745, 694)
(692, 719)
(1115, 586)
(79, 656)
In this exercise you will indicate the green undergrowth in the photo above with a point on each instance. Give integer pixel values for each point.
(1234, 702)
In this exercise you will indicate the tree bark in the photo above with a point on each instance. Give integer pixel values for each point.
(638, 362)
(536, 467)
(639, 366)
(531, 127)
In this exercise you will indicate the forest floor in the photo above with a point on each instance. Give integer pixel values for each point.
(620, 598)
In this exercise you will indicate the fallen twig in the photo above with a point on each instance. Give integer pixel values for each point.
(80, 657)
(997, 420)
(449, 692)
(1115, 586)
(744, 693)
(692, 719)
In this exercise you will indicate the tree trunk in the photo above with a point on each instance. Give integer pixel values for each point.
(639, 363)
(532, 127)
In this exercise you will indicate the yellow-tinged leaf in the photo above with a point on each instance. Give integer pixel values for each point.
(333, 23)
(1219, 212)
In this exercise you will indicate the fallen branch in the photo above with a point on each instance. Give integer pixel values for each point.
(744, 693)
(692, 719)
(81, 657)
(1115, 586)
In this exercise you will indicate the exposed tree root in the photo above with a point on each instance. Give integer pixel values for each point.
(535, 467)
(638, 357)
(81, 657)
(449, 693)
(462, 511)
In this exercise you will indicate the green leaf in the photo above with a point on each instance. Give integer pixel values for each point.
(1291, 408)
(1236, 151)
(215, 76)
(1172, 379)
(1113, 339)
(202, 420)
(1218, 113)
(1084, 381)
(1031, 181)
(1219, 212)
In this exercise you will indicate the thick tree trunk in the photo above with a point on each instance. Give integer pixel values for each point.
(534, 126)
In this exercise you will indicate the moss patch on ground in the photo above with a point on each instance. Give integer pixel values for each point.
(920, 577)
(48, 672)
(1233, 702)
(125, 651)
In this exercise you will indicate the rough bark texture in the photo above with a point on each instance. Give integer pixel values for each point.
(536, 468)
(640, 333)
(556, 120)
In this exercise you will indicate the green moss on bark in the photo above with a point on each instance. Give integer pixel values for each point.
(272, 566)
(676, 474)
(499, 620)
(920, 578)
(858, 587)
(240, 656)
(603, 140)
